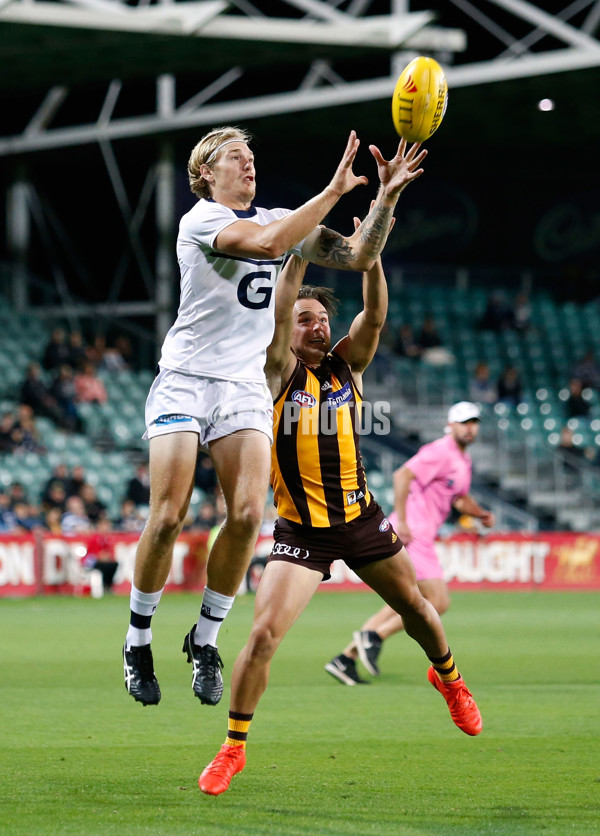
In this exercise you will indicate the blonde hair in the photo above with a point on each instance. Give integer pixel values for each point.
(202, 152)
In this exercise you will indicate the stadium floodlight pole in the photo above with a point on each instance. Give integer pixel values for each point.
(165, 215)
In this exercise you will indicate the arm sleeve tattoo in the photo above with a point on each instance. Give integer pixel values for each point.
(374, 229)
(337, 252)
(334, 249)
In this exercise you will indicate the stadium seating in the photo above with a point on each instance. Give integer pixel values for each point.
(518, 445)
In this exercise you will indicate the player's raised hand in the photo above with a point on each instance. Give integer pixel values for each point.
(397, 173)
(344, 179)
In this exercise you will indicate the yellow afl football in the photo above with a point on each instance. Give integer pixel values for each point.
(420, 99)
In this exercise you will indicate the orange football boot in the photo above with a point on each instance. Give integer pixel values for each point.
(218, 774)
(463, 708)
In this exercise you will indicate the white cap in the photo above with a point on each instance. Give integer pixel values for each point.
(463, 411)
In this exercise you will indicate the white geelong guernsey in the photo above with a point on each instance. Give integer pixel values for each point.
(225, 320)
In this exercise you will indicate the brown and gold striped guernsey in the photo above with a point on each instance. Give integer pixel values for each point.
(316, 470)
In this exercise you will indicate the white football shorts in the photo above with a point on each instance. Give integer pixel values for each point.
(213, 408)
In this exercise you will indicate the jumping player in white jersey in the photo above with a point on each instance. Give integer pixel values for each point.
(211, 387)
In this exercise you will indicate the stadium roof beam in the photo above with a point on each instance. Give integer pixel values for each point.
(57, 51)
(204, 20)
(176, 28)
(181, 24)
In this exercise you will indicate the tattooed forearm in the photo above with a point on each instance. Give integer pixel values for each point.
(375, 228)
(335, 249)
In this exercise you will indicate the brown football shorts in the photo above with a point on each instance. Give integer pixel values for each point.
(364, 540)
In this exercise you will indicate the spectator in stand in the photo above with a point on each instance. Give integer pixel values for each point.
(76, 480)
(95, 509)
(60, 475)
(88, 386)
(77, 352)
(206, 518)
(101, 554)
(429, 337)
(113, 360)
(498, 315)
(75, 520)
(25, 434)
(27, 518)
(63, 391)
(7, 515)
(17, 494)
(433, 352)
(587, 371)
(57, 351)
(54, 497)
(509, 386)
(7, 423)
(481, 388)
(521, 312)
(406, 344)
(95, 351)
(124, 347)
(206, 475)
(130, 519)
(567, 445)
(138, 488)
(35, 393)
(51, 520)
(576, 406)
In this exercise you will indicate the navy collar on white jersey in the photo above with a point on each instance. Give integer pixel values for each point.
(241, 213)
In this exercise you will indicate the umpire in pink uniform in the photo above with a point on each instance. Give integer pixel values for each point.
(426, 488)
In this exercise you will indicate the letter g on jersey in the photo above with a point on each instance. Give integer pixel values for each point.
(262, 295)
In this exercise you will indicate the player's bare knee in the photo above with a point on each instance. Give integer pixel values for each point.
(411, 602)
(441, 603)
(166, 522)
(245, 522)
(261, 644)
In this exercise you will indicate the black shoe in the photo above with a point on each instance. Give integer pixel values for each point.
(207, 682)
(140, 680)
(344, 670)
(368, 643)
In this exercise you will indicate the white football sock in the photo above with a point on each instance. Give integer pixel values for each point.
(212, 614)
(143, 606)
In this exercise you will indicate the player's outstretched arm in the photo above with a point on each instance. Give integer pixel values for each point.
(402, 477)
(359, 346)
(280, 358)
(359, 251)
(246, 239)
(467, 504)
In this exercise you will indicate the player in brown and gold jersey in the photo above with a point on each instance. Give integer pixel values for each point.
(325, 508)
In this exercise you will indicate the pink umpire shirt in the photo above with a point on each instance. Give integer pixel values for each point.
(442, 473)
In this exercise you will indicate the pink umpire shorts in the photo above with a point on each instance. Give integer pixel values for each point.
(425, 560)
(422, 554)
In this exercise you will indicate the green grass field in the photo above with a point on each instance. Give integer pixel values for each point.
(79, 756)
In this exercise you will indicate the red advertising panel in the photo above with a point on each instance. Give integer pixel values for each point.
(53, 564)
(57, 564)
(549, 560)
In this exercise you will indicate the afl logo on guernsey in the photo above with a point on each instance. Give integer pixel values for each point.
(303, 398)
(384, 524)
